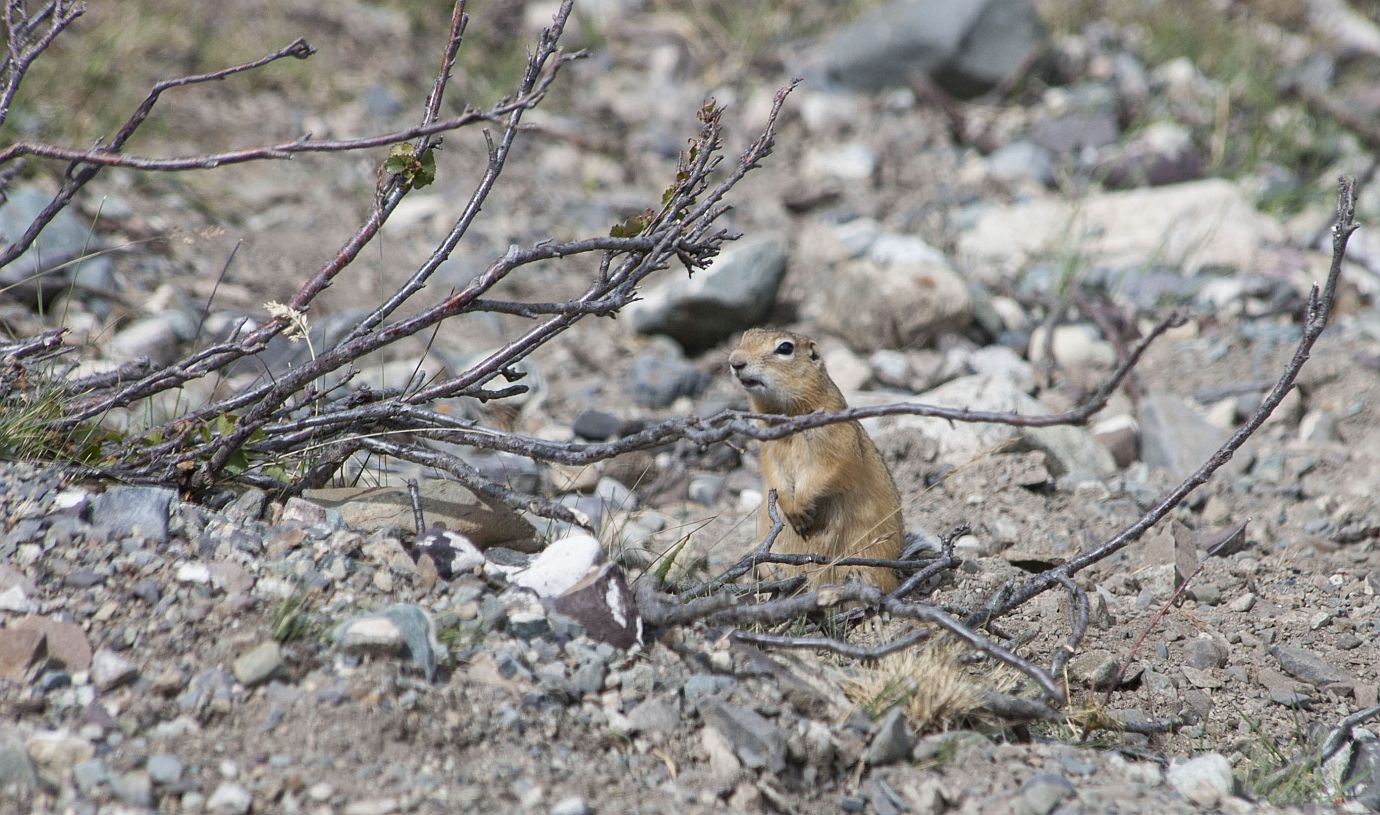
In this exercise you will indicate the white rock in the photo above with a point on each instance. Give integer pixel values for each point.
(560, 565)
(1076, 347)
(1204, 780)
(846, 162)
(229, 799)
(193, 573)
(15, 599)
(1201, 223)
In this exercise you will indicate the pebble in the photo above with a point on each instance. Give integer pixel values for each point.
(229, 799)
(1043, 792)
(258, 664)
(891, 739)
(1205, 780)
(110, 670)
(164, 769)
(574, 805)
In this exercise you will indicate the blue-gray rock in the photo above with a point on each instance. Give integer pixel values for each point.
(133, 788)
(656, 381)
(17, 776)
(212, 687)
(1043, 792)
(736, 292)
(230, 799)
(67, 237)
(164, 769)
(655, 714)
(248, 505)
(133, 511)
(399, 626)
(705, 488)
(89, 774)
(967, 47)
(1020, 161)
(1076, 131)
(758, 743)
(891, 739)
(572, 806)
(1309, 667)
(259, 664)
(1362, 780)
(596, 425)
(1174, 436)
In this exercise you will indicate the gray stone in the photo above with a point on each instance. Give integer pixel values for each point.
(133, 511)
(155, 338)
(89, 774)
(656, 714)
(1205, 780)
(891, 739)
(1068, 449)
(389, 631)
(1094, 669)
(248, 505)
(1175, 437)
(756, 742)
(966, 47)
(1202, 223)
(655, 380)
(17, 776)
(65, 238)
(211, 688)
(705, 488)
(736, 292)
(133, 788)
(1362, 780)
(1162, 153)
(164, 769)
(258, 664)
(110, 670)
(1204, 653)
(574, 805)
(596, 425)
(1042, 792)
(871, 305)
(229, 799)
(1076, 131)
(1308, 667)
(1021, 161)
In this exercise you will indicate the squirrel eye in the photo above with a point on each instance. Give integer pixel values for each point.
(786, 348)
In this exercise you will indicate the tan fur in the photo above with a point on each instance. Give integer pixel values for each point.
(833, 490)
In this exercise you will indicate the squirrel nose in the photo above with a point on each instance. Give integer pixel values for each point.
(737, 364)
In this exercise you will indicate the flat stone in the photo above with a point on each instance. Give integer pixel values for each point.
(229, 799)
(110, 670)
(1308, 667)
(17, 776)
(756, 742)
(123, 511)
(164, 769)
(133, 788)
(20, 648)
(66, 642)
(448, 504)
(56, 752)
(1205, 780)
(596, 425)
(1177, 438)
(892, 740)
(655, 714)
(390, 631)
(736, 292)
(258, 664)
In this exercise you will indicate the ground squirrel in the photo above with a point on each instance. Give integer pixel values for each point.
(833, 491)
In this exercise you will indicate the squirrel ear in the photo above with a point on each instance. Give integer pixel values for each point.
(814, 352)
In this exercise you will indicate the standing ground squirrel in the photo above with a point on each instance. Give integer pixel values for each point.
(833, 490)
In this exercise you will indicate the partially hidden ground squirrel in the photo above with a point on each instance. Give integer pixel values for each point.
(833, 491)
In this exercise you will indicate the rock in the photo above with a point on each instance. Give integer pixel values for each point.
(16, 599)
(1362, 780)
(388, 632)
(735, 293)
(967, 48)
(444, 503)
(66, 238)
(54, 753)
(20, 648)
(66, 643)
(451, 552)
(248, 506)
(596, 425)
(1068, 449)
(110, 670)
(560, 566)
(17, 776)
(574, 805)
(1076, 131)
(705, 488)
(133, 788)
(892, 740)
(1042, 792)
(1076, 347)
(870, 305)
(1308, 667)
(1205, 780)
(1204, 653)
(1162, 153)
(258, 664)
(1176, 438)
(604, 605)
(756, 742)
(655, 714)
(122, 512)
(655, 380)
(153, 338)
(1318, 426)
(1120, 436)
(164, 769)
(1094, 669)
(89, 774)
(1021, 161)
(229, 799)
(1210, 223)
(845, 162)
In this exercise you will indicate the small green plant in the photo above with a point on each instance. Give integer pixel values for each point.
(1282, 771)
(417, 170)
(294, 616)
